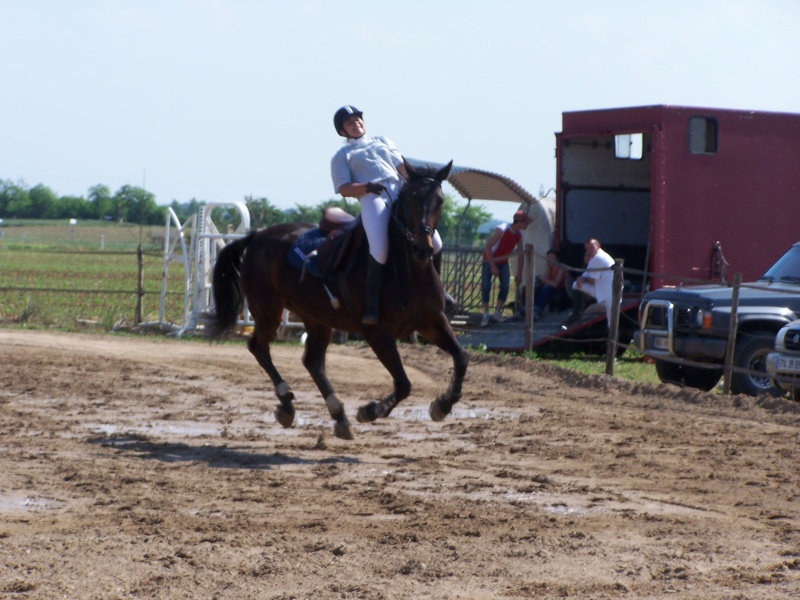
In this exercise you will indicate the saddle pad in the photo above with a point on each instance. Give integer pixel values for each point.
(302, 254)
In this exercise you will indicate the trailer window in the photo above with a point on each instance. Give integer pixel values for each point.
(628, 146)
(702, 135)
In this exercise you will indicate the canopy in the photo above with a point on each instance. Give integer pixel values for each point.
(477, 184)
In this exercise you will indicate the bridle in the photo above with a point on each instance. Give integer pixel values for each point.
(408, 233)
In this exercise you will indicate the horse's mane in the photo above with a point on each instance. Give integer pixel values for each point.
(421, 172)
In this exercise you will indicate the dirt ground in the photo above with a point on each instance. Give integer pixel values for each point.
(153, 468)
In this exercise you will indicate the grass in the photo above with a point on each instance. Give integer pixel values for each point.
(56, 278)
(31, 234)
(631, 365)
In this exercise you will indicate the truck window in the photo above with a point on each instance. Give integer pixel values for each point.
(786, 267)
(702, 135)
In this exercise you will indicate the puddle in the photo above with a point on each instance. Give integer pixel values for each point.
(420, 413)
(303, 420)
(565, 510)
(564, 504)
(180, 428)
(21, 501)
(427, 437)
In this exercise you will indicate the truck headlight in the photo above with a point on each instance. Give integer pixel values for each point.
(702, 318)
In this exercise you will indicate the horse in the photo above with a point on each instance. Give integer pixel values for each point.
(255, 267)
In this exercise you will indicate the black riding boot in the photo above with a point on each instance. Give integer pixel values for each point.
(374, 283)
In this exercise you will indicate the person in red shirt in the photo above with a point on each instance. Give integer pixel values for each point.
(504, 241)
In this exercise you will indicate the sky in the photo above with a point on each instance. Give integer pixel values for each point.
(217, 100)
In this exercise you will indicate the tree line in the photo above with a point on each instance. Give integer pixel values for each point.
(131, 204)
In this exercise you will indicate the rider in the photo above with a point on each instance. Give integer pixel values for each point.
(372, 170)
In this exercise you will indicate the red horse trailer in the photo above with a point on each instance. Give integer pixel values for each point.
(686, 194)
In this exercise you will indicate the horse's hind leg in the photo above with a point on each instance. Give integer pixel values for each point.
(258, 344)
(319, 337)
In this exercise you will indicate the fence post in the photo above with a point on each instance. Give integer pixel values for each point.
(613, 322)
(732, 327)
(528, 277)
(137, 318)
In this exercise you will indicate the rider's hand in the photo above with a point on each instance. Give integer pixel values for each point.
(375, 188)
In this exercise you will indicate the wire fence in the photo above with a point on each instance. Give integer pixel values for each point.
(67, 287)
(107, 288)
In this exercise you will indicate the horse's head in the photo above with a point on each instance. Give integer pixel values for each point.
(420, 205)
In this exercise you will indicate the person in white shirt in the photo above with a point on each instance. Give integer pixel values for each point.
(596, 281)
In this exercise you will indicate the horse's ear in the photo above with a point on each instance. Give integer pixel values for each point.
(412, 172)
(444, 171)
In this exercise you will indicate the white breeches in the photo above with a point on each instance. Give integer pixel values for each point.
(375, 215)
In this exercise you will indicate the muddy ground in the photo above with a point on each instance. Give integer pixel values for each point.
(153, 468)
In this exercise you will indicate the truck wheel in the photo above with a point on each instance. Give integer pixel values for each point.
(695, 377)
(703, 379)
(751, 354)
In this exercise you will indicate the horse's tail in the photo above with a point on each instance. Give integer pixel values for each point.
(227, 289)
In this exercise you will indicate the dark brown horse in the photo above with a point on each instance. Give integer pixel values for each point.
(412, 299)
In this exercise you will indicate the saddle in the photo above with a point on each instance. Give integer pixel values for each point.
(323, 250)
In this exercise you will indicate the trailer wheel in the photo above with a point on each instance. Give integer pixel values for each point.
(750, 355)
(694, 377)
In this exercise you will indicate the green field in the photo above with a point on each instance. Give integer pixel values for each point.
(85, 235)
(56, 275)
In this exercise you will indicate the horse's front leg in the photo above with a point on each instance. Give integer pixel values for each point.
(319, 337)
(385, 349)
(441, 334)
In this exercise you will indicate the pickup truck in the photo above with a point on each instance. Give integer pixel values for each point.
(691, 323)
(783, 365)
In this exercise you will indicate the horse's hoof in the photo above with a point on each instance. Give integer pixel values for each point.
(343, 431)
(284, 415)
(436, 411)
(367, 414)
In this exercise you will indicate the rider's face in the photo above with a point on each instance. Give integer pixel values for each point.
(353, 126)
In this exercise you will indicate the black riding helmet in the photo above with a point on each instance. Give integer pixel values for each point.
(341, 115)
